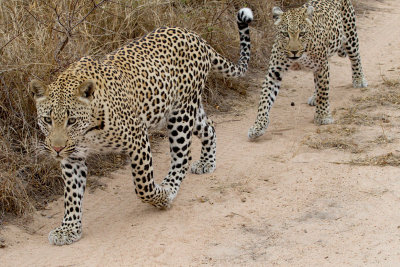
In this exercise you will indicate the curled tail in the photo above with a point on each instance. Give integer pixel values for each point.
(224, 66)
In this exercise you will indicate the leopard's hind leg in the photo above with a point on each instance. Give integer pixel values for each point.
(204, 129)
(351, 44)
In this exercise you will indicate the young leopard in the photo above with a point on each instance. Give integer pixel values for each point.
(309, 35)
(111, 104)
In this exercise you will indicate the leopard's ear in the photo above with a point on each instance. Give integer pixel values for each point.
(277, 15)
(309, 14)
(38, 89)
(86, 90)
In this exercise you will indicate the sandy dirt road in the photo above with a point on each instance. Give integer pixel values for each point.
(276, 201)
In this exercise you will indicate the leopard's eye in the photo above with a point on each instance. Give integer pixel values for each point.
(301, 34)
(47, 120)
(71, 121)
(285, 34)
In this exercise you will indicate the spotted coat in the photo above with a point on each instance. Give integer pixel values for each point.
(111, 104)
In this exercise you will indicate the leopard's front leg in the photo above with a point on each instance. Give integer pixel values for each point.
(322, 110)
(74, 173)
(142, 171)
(270, 89)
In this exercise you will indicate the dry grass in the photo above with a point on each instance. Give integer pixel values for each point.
(387, 94)
(334, 136)
(354, 116)
(363, 110)
(340, 130)
(391, 82)
(383, 139)
(362, 115)
(332, 141)
(389, 159)
(359, 115)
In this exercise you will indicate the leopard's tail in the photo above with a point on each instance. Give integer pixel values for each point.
(224, 66)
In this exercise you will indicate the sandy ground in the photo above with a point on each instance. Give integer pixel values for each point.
(276, 201)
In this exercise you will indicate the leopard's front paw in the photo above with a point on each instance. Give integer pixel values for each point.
(163, 197)
(323, 119)
(360, 83)
(162, 204)
(200, 167)
(256, 131)
(64, 235)
(312, 100)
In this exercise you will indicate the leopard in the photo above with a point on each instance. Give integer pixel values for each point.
(306, 37)
(112, 103)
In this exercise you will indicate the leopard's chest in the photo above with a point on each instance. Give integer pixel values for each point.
(309, 62)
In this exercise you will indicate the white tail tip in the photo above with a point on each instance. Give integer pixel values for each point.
(245, 15)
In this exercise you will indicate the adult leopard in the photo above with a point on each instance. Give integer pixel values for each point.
(110, 104)
(309, 35)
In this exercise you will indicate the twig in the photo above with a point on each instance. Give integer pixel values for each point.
(59, 50)
(73, 13)
(40, 22)
(214, 19)
(12, 39)
(69, 29)
(227, 121)
(90, 12)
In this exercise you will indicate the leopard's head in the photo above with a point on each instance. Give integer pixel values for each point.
(293, 30)
(64, 111)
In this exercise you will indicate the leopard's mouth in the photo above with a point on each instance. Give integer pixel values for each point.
(58, 158)
(294, 54)
(65, 153)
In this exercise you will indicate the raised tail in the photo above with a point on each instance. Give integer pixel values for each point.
(224, 66)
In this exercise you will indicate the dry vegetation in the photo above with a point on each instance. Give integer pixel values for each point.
(334, 136)
(389, 159)
(41, 38)
(361, 116)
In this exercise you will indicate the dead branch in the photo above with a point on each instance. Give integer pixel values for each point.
(68, 29)
(12, 39)
(90, 12)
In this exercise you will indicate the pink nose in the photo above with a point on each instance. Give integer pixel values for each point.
(58, 148)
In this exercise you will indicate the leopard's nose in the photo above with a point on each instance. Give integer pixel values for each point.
(58, 148)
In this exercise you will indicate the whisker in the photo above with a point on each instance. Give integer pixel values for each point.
(42, 148)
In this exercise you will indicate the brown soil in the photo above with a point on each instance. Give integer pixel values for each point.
(300, 195)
